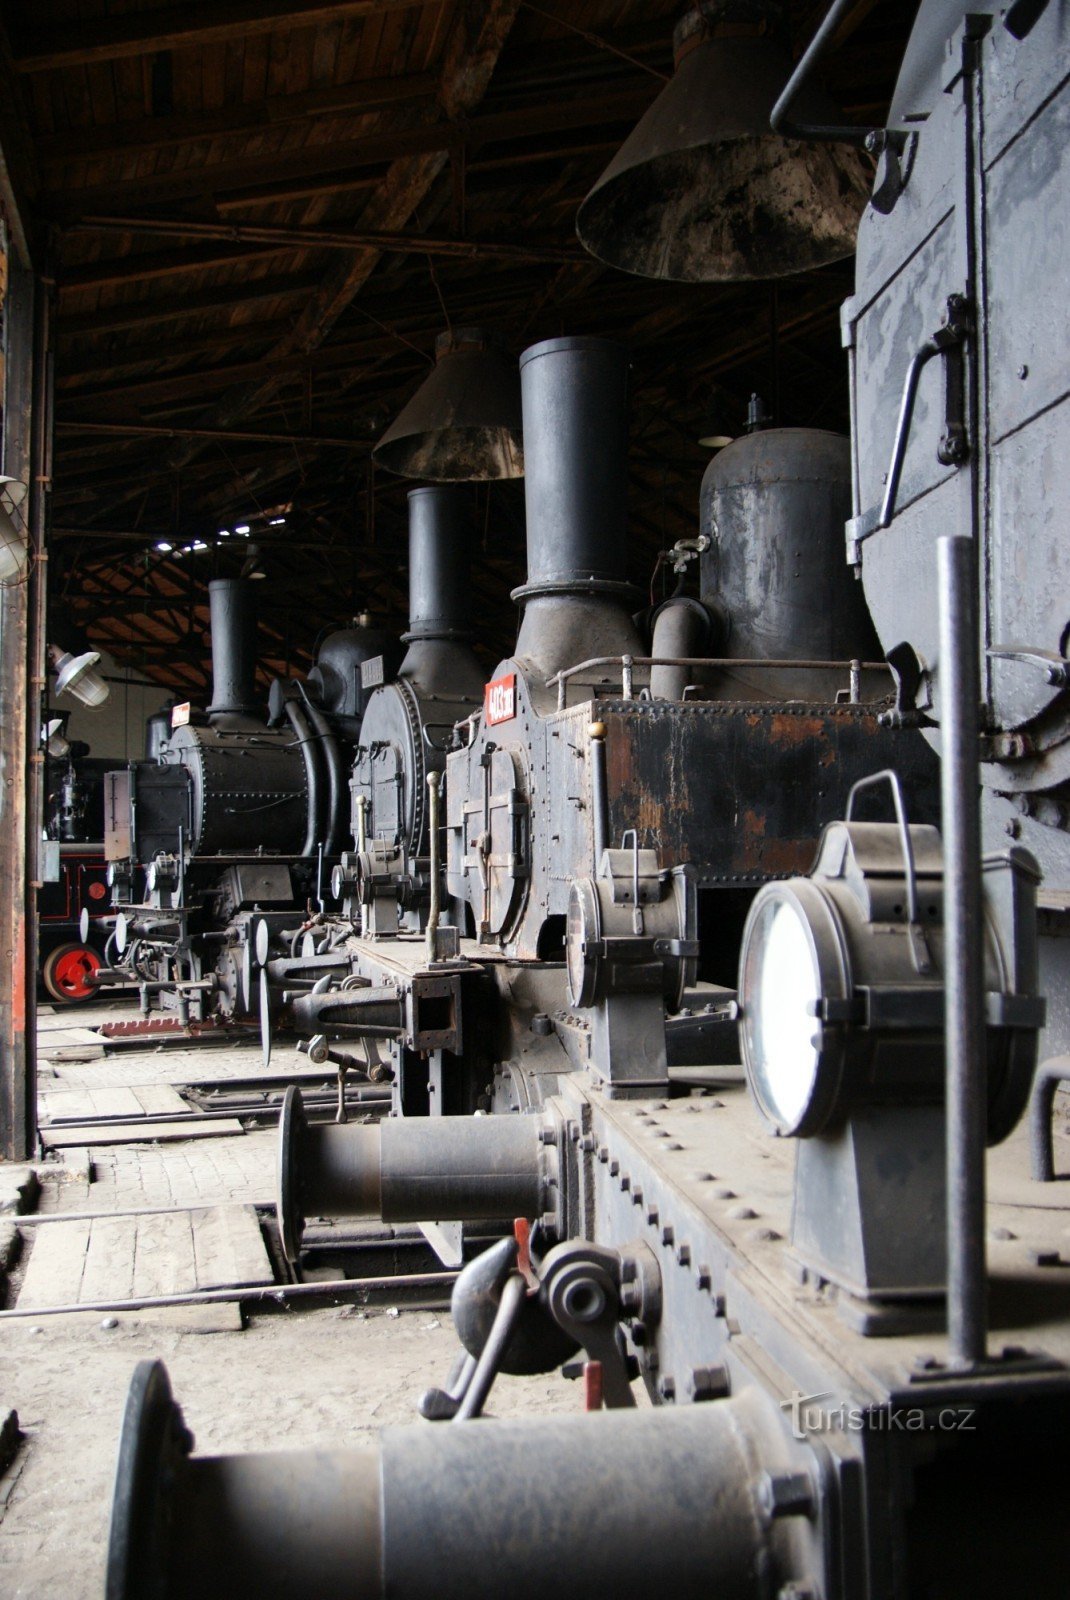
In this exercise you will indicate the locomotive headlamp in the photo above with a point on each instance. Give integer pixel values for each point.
(785, 981)
(630, 951)
(841, 987)
(630, 929)
(841, 991)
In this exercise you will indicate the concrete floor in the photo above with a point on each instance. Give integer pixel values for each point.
(290, 1378)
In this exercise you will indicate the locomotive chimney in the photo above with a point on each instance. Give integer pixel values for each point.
(440, 537)
(439, 657)
(233, 614)
(576, 599)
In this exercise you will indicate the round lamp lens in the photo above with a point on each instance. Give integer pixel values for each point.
(780, 988)
(581, 926)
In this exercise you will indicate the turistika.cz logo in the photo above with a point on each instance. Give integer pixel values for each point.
(811, 1413)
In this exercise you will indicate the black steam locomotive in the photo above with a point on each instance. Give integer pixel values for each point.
(859, 1363)
(229, 846)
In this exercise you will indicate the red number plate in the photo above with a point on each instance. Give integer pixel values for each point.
(499, 699)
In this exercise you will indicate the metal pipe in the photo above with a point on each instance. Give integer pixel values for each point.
(960, 697)
(599, 791)
(516, 1507)
(279, 1292)
(336, 779)
(434, 844)
(490, 1357)
(679, 624)
(781, 120)
(1050, 1076)
(411, 1169)
(303, 733)
(627, 663)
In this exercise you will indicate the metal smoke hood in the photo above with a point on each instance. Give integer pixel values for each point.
(702, 190)
(463, 423)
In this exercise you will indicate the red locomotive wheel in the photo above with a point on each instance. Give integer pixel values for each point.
(66, 970)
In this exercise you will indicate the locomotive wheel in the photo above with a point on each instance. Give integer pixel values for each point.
(66, 970)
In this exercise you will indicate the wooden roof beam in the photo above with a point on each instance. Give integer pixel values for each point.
(119, 271)
(139, 313)
(319, 161)
(476, 38)
(180, 27)
(140, 135)
(273, 241)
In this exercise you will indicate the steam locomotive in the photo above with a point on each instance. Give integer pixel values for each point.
(236, 832)
(859, 1366)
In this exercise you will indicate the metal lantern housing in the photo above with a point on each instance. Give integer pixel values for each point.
(842, 1001)
(463, 423)
(702, 191)
(14, 553)
(77, 676)
(842, 990)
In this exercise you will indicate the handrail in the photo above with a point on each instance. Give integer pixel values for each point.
(628, 663)
(781, 120)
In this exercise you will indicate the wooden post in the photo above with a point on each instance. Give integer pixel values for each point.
(18, 942)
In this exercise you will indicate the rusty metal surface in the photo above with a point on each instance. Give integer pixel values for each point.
(742, 791)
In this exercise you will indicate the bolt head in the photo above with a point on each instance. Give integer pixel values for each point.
(786, 1494)
(708, 1383)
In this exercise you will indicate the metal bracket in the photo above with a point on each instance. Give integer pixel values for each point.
(908, 669)
(1056, 668)
(582, 1286)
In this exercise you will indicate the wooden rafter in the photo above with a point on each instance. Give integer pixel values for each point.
(182, 27)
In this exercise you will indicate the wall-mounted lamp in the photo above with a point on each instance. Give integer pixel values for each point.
(14, 553)
(78, 677)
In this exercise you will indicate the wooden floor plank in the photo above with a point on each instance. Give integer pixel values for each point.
(65, 1105)
(56, 1267)
(54, 1138)
(229, 1248)
(109, 1262)
(161, 1100)
(115, 1102)
(163, 1255)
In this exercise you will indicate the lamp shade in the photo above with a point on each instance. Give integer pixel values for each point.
(702, 191)
(13, 549)
(463, 423)
(77, 676)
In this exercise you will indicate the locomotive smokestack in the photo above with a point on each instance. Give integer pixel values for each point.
(439, 660)
(233, 614)
(575, 403)
(440, 538)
